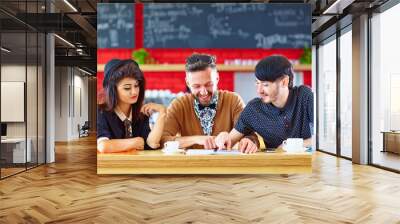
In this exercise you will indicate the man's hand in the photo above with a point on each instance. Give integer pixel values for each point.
(223, 141)
(208, 142)
(247, 146)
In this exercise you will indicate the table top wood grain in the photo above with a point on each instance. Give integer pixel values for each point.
(156, 162)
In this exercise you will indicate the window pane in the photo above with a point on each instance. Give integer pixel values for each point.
(31, 97)
(22, 88)
(41, 98)
(385, 86)
(14, 153)
(346, 94)
(327, 97)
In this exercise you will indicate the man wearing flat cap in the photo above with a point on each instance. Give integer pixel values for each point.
(196, 118)
(281, 111)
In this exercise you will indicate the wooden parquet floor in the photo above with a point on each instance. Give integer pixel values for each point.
(70, 191)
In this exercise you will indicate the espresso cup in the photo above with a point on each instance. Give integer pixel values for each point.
(293, 145)
(171, 147)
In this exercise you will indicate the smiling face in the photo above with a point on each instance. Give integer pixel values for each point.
(203, 84)
(270, 92)
(128, 90)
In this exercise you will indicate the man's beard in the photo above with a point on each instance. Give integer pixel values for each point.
(272, 97)
(204, 102)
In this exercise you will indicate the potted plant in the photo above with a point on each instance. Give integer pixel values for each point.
(305, 58)
(140, 55)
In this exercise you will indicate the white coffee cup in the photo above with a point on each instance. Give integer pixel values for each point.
(171, 147)
(293, 145)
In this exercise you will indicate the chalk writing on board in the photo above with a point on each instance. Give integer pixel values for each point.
(115, 25)
(276, 40)
(232, 8)
(233, 25)
(218, 26)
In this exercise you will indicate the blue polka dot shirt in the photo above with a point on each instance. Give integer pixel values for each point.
(294, 120)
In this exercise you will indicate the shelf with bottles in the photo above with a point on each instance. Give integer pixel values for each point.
(159, 96)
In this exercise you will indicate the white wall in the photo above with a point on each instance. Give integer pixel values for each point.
(71, 94)
(244, 84)
(80, 84)
(12, 73)
(33, 127)
(61, 103)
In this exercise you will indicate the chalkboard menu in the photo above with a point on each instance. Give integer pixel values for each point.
(115, 25)
(223, 25)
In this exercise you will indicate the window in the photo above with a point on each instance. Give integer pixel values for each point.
(385, 89)
(346, 93)
(22, 69)
(327, 96)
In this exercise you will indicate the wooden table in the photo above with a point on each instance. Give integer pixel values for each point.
(155, 162)
(391, 141)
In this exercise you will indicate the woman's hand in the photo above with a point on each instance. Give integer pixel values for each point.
(139, 143)
(150, 108)
(153, 140)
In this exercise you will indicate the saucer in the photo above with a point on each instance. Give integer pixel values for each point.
(305, 149)
(178, 151)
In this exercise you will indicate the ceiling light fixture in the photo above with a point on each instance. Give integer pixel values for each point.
(5, 50)
(337, 7)
(70, 5)
(84, 71)
(64, 40)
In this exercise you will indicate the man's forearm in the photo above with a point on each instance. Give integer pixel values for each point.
(235, 136)
(120, 145)
(188, 141)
